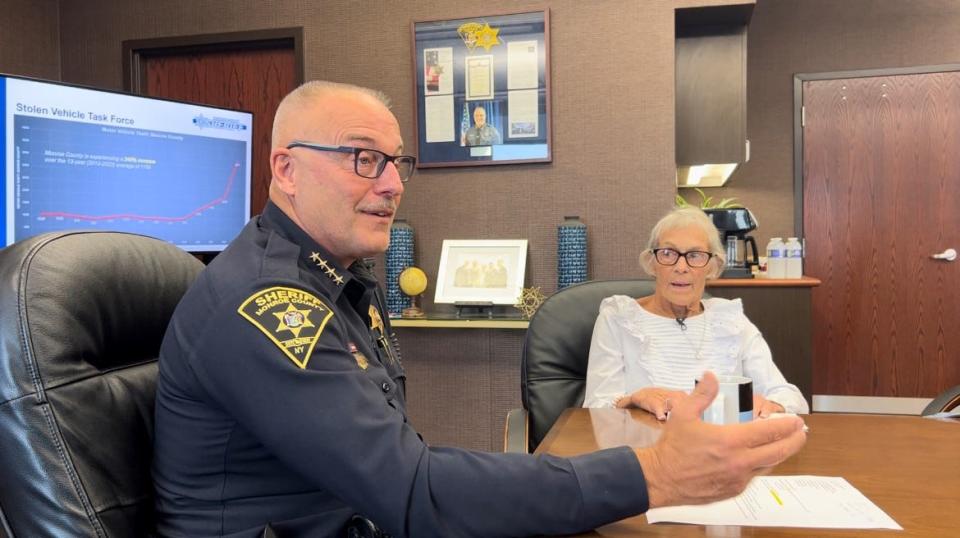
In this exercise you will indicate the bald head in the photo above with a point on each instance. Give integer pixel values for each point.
(316, 111)
(316, 183)
(285, 124)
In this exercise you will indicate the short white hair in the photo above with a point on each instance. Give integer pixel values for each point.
(681, 217)
(303, 95)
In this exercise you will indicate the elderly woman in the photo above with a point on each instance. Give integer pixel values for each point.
(649, 350)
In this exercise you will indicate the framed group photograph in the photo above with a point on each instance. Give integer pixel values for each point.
(482, 90)
(481, 270)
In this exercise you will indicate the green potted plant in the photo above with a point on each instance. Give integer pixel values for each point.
(706, 202)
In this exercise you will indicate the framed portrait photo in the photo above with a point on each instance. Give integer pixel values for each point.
(482, 90)
(481, 270)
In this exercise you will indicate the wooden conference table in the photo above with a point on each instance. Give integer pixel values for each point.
(908, 466)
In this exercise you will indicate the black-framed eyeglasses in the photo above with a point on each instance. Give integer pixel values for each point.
(368, 163)
(670, 256)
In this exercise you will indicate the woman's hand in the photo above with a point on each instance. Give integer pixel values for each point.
(762, 407)
(654, 400)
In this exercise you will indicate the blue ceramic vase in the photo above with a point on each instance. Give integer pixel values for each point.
(399, 256)
(571, 252)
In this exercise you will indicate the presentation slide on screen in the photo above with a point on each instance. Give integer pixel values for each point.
(79, 159)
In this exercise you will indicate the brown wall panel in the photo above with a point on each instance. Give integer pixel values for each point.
(811, 36)
(461, 383)
(30, 38)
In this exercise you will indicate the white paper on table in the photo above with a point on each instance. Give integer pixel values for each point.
(827, 502)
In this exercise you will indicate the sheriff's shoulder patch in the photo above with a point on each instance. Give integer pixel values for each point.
(292, 319)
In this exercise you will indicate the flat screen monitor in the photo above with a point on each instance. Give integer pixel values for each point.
(83, 158)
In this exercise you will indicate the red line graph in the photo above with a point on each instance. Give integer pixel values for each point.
(134, 216)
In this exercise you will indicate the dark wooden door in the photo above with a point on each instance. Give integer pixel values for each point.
(881, 176)
(236, 71)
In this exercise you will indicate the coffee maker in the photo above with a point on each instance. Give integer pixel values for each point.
(734, 223)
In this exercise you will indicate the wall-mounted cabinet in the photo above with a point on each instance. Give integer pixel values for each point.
(711, 93)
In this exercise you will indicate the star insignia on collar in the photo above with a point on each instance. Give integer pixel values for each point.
(327, 268)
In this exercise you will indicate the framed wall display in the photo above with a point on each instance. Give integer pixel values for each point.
(482, 90)
(481, 270)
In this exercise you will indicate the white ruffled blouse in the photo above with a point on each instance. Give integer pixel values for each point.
(632, 349)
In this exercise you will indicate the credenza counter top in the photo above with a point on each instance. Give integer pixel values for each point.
(802, 282)
(461, 323)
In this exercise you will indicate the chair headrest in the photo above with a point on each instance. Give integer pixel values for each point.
(75, 303)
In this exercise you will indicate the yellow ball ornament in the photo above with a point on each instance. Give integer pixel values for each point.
(413, 281)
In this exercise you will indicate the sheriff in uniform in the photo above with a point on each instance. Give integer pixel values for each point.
(280, 399)
(281, 402)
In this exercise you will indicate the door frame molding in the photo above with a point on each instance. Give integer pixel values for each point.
(798, 80)
(135, 51)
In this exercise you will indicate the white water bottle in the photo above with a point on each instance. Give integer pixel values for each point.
(776, 258)
(794, 258)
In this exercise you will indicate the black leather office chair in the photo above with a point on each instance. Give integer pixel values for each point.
(83, 314)
(948, 400)
(554, 363)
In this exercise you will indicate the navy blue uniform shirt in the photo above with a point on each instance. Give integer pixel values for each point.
(280, 401)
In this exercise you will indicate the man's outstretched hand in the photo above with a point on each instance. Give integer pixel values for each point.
(694, 462)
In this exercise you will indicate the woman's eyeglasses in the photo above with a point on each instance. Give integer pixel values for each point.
(670, 256)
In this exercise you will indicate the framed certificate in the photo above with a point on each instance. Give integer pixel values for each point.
(482, 90)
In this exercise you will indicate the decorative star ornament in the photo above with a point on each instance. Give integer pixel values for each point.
(487, 37)
(530, 300)
(476, 35)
